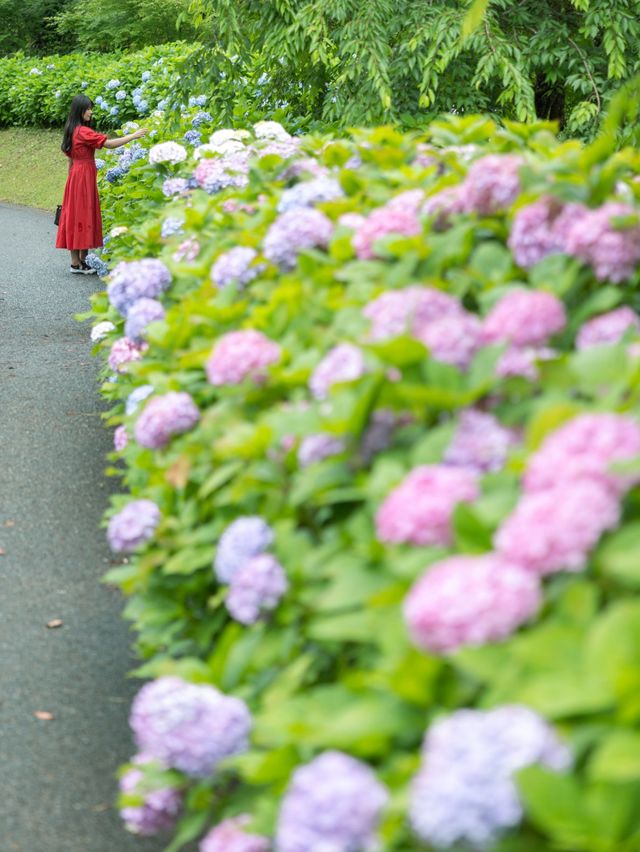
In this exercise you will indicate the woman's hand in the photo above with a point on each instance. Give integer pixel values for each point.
(142, 131)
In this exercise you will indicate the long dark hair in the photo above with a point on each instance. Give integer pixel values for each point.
(79, 105)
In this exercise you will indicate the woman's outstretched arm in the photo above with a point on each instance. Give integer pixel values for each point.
(122, 140)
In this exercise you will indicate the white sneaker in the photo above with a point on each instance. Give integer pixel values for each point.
(76, 270)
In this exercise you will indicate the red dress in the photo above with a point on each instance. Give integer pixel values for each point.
(80, 221)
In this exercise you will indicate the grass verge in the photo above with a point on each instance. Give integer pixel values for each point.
(33, 169)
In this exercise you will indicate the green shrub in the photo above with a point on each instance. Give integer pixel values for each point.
(332, 665)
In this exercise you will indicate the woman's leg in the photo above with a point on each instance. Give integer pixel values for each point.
(75, 257)
(83, 255)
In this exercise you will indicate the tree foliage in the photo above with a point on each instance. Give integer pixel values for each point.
(29, 25)
(121, 24)
(365, 61)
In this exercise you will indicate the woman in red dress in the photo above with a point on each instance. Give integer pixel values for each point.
(80, 227)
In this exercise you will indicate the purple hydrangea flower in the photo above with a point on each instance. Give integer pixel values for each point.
(308, 193)
(397, 312)
(613, 252)
(343, 363)
(137, 396)
(132, 526)
(492, 184)
(608, 328)
(187, 726)
(235, 266)
(379, 433)
(256, 587)
(165, 416)
(419, 510)
(295, 231)
(243, 539)
(480, 442)
(465, 792)
(114, 174)
(443, 205)
(174, 186)
(137, 279)
(229, 836)
(141, 313)
(159, 809)
(316, 448)
(332, 803)
(534, 234)
(239, 355)
(187, 251)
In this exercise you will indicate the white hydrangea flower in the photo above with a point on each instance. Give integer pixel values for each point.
(118, 231)
(167, 152)
(225, 134)
(270, 130)
(100, 331)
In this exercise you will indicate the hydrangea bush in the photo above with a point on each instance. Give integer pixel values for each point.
(385, 445)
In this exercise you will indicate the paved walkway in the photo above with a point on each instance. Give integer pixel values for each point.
(57, 784)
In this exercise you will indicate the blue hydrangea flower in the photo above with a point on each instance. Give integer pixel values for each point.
(114, 110)
(192, 137)
(84, 84)
(174, 186)
(200, 100)
(142, 106)
(310, 192)
(146, 76)
(245, 538)
(171, 225)
(136, 93)
(201, 118)
(235, 265)
(100, 163)
(137, 279)
(113, 84)
(137, 396)
(140, 314)
(113, 175)
(120, 95)
(163, 103)
(465, 792)
(98, 264)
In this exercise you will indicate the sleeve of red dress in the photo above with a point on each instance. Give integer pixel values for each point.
(92, 137)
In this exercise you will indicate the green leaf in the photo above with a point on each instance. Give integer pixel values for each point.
(618, 556)
(617, 758)
(554, 804)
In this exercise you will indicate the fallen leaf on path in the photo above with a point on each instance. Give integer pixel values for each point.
(43, 715)
(9, 523)
(2, 552)
(55, 622)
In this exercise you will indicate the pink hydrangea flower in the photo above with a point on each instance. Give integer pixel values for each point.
(453, 339)
(470, 600)
(409, 201)
(397, 312)
(444, 204)
(533, 236)
(380, 223)
(317, 447)
(120, 438)
(123, 351)
(522, 362)
(613, 252)
(554, 530)
(607, 328)
(163, 417)
(492, 184)
(480, 443)
(187, 251)
(239, 355)
(585, 446)
(229, 836)
(524, 318)
(420, 509)
(343, 363)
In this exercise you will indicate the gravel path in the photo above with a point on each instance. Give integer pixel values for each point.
(58, 784)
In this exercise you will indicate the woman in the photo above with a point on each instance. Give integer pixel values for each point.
(80, 226)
